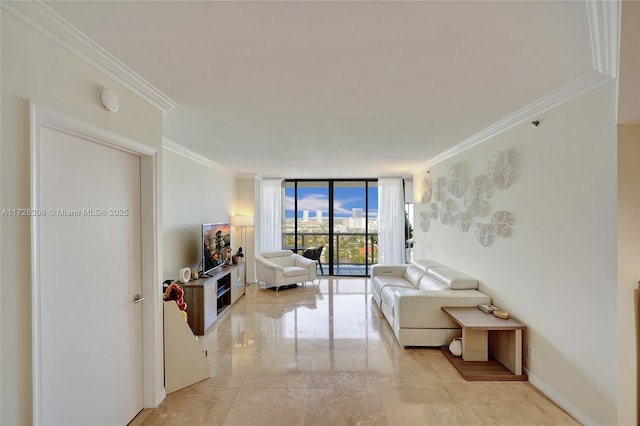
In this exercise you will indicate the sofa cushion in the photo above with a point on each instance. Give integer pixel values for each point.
(387, 299)
(276, 253)
(292, 271)
(280, 257)
(423, 309)
(431, 284)
(425, 264)
(381, 282)
(454, 279)
(413, 275)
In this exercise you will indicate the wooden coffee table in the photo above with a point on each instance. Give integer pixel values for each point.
(506, 343)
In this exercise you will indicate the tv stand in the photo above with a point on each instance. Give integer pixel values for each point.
(208, 298)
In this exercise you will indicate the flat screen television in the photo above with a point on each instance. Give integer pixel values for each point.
(216, 246)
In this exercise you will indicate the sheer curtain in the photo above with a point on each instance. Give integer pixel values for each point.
(390, 221)
(271, 215)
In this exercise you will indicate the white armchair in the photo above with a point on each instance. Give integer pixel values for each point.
(283, 267)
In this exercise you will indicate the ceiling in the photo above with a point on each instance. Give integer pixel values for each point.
(334, 88)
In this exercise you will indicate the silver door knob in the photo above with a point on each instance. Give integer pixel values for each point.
(137, 298)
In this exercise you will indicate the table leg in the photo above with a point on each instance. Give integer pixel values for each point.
(518, 352)
(475, 345)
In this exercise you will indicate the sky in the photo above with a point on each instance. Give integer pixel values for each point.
(317, 198)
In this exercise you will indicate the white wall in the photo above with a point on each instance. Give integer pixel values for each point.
(192, 194)
(36, 69)
(557, 272)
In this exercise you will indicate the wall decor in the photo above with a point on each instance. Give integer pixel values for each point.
(479, 208)
(501, 222)
(483, 234)
(475, 199)
(463, 221)
(440, 189)
(425, 190)
(448, 212)
(457, 180)
(433, 211)
(425, 221)
(501, 170)
(474, 193)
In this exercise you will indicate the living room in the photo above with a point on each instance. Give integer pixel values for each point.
(567, 270)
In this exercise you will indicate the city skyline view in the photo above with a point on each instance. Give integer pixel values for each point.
(350, 244)
(316, 199)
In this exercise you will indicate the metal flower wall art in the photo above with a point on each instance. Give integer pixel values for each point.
(440, 189)
(425, 190)
(501, 171)
(425, 220)
(475, 199)
(483, 234)
(501, 222)
(474, 194)
(448, 212)
(433, 210)
(464, 221)
(457, 180)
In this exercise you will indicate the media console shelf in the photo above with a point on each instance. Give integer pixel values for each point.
(208, 298)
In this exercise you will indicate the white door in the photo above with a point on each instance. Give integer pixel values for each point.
(89, 257)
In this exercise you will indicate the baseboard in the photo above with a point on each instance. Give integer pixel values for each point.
(553, 395)
(161, 397)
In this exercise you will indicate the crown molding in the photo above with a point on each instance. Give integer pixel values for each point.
(604, 26)
(581, 85)
(43, 19)
(246, 176)
(192, 155)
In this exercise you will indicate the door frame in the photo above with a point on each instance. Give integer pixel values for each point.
(152, 341)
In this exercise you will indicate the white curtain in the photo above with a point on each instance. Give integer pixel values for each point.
(390, 221)
(271, 215)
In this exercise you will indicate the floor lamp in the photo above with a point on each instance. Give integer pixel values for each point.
(242, 222)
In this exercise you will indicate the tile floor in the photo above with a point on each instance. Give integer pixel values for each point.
(324, 355)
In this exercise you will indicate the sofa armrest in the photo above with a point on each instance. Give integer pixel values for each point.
(303, 262)
(269, 264)
(269, 272)
(308, 264)
(388, 270)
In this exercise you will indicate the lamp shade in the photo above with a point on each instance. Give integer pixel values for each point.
(242, 221)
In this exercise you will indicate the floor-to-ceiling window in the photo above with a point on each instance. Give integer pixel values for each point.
(339, 215)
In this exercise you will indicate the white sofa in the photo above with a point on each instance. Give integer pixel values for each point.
(283, 267)
(411, 297)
